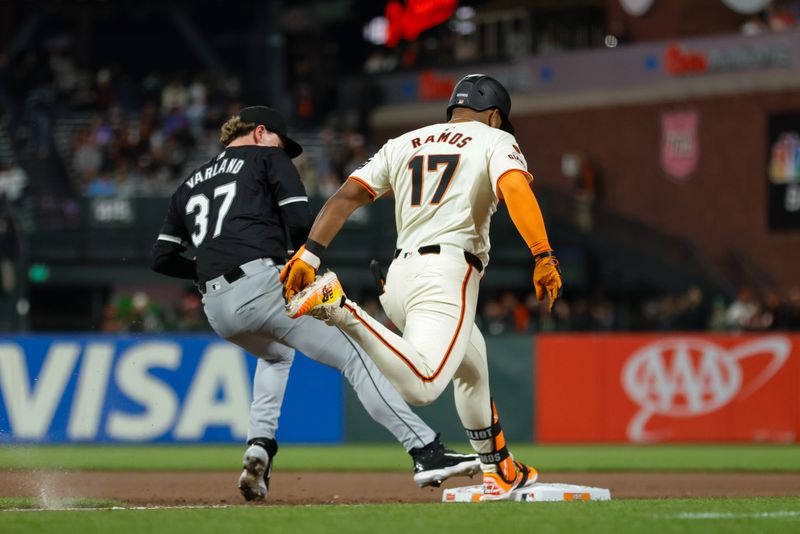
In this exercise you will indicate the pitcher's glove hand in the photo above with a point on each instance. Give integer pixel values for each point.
(547, 277)
(299, 272)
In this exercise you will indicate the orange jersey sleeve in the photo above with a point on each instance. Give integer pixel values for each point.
(524, 210)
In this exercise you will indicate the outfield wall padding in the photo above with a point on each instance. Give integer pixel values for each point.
(511, 378)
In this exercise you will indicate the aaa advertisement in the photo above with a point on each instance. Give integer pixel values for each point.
(668, 388)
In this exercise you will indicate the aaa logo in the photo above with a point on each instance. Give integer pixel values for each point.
(688, 377)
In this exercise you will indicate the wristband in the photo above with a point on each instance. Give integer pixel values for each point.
(318, 249)
(310, 258)
(541, 255)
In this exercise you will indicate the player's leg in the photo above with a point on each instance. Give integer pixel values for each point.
(478, 414)
(376, 394)
(226, 308)
(269, 386)
(263, 321)
(432, 298)
(433, 462)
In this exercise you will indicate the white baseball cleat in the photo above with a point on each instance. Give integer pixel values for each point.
(254, 480)
(321, 299)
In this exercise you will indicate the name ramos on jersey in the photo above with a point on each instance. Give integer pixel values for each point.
(226, 166)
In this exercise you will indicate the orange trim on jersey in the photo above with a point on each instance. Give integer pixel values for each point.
(528, 176)
(366, 186)
(388, 345)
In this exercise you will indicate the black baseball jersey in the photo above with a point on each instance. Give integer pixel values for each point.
(234, 209)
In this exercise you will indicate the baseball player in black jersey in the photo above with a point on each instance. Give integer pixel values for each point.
(233, 212)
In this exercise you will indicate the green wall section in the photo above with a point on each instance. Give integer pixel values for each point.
(511, 375)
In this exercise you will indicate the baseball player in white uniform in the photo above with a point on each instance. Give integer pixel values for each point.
(447, 180)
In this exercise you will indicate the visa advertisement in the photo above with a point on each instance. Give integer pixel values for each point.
(668, 388)
(151, 389)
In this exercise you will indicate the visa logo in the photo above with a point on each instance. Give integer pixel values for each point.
(129, 391)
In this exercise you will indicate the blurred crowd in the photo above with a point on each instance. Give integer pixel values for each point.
(510, 312)
(139, 312)
(141, 136)
(138, 135)
(43, 86)
(693, 310)
(124, 136)
(337, 156)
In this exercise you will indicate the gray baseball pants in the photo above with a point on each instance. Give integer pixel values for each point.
(250, 313)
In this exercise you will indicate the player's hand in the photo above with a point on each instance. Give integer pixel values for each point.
(547, 277)
(296, 275)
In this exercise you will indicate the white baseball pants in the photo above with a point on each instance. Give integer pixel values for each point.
(432, 299)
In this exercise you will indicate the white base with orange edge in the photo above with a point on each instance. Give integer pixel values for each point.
(533, 493)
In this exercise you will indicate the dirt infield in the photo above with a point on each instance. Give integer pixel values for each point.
(214, 488)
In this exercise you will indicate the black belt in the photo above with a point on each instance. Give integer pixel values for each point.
(471, 258)
(230, 277)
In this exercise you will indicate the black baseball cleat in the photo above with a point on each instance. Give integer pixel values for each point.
(434, 463)
(257, 469)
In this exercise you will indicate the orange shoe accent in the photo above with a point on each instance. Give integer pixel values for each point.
(500, 438)
(325, 291)
(497, 488)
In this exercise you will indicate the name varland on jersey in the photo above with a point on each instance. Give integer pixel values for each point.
(227, 166)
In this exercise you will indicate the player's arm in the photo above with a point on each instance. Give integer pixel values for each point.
(524, 210)
(364, 185)
(289, 192)
(527, 217)
(298, 222)
(301, 269)
(167, 259)
(167, 254)
(351, 196)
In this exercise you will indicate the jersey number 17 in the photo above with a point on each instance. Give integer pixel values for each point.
(417, 166)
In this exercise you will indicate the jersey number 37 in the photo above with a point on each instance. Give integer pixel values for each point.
(200, 205)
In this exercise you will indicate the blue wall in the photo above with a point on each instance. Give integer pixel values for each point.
(151, 389)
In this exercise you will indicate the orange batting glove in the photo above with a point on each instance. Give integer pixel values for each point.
(547, 277)
(299, 272)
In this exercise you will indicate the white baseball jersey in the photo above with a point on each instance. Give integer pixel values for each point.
(444, 178)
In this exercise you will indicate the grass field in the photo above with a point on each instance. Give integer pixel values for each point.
(652, 516)
(675, 515)
(742, 458)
